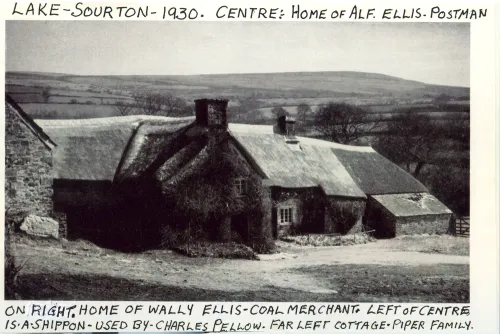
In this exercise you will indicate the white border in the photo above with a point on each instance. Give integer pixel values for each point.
(485, 89)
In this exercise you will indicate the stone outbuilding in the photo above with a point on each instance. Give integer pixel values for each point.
(28, 174)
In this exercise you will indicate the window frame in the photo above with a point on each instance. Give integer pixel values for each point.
(241, 186)
(286, 214)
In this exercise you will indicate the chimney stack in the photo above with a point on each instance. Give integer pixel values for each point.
(286, 126)
(211, 113)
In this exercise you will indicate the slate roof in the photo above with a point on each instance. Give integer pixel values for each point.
(375, 174)
(407, 205)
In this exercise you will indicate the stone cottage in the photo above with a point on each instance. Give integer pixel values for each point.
(28, 173)
(141, 180)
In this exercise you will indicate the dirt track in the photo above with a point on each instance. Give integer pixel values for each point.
(304, 272)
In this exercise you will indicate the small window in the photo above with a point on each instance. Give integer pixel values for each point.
(241, 186)
(286, 215)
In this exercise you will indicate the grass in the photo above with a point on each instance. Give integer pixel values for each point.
(353, 283)
(443, 244)
(445, 283)
(68, 111)
(100, 287)
(80, 270)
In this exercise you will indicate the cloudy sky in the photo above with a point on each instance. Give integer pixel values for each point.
(437, 53)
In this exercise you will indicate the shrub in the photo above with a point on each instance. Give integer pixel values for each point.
(328, 240)
(218, 250)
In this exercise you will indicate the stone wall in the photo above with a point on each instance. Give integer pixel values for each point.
(386, 225)
(430, 224)
(28, 170)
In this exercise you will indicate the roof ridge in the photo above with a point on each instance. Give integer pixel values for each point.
(30, 123)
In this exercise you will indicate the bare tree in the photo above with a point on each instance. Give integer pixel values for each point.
(344, 123)
(412, 141)
(124, 108)
(160, 104)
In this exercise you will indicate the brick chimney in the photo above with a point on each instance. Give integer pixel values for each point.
(211, 113)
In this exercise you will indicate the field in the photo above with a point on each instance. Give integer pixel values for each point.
(379, 92)
(411, 269)
(67, 111)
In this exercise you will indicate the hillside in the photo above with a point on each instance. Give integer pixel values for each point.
(268, 85)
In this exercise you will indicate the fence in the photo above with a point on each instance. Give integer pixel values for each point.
(460, 226)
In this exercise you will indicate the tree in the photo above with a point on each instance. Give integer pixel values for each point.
(412, 141)
(249, 104)
(441, 99)
(303, 110)
(344, 123)
(124, 108)
(241, 111)
(160, 104)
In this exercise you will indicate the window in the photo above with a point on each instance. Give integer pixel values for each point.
(241, 186)
(286, 215)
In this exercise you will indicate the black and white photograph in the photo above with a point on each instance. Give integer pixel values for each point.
(237, 161)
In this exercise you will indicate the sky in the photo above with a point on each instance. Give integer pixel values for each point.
(436, 53)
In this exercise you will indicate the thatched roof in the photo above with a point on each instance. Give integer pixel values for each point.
(89, 154)
(406, 205)
(149, 142)
(375, 174)
(93, 149)
(128, 147)
(131, 120)
(309, 166)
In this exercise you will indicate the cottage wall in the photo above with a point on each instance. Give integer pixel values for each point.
(308, 206)
(206, 205)
(344, 215)
(315, 213)
(250, 221)
(28, 170)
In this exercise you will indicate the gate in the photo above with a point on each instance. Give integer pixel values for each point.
(462, 226)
